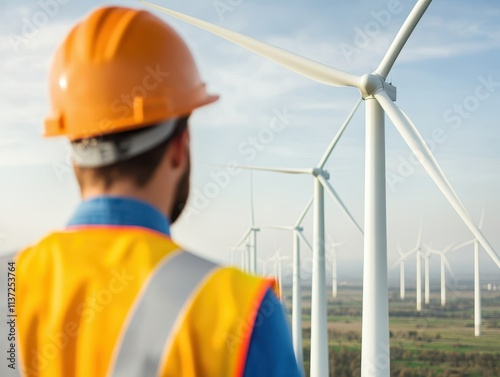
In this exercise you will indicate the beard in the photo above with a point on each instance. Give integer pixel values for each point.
(181, 194)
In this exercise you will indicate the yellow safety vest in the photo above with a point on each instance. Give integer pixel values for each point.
(84, 296)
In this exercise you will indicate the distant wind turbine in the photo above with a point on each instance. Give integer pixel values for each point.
(334, 254)
(277, 259)
(233, 251)
(427, 257)
(244, 252)
(319, 333)
(417, 250)
(401, 262)
(477, 278)
(418, 256)
(297, 232)
(379, 96)
(250, 236)
(444, 265)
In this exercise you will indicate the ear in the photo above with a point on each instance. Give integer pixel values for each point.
(179, 148)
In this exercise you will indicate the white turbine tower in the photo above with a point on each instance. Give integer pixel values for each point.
(276, 259)
(334, 254)
(243, 251)
(401, 262)
(379, 96)
(319, 333)
(427, 257)
(418, 258)
(298, 236)
(233, 251)
(477, 279)
(444, 265)
(249, 238)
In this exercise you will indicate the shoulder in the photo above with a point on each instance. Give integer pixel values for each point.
(236, 286)
(219, 320)
(270, 352)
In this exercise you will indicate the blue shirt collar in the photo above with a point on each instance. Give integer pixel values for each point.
(108, 210)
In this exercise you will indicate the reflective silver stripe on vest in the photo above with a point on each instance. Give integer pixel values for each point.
(5, 371)
(156, 313)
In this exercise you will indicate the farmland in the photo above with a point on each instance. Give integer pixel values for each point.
(438, 341)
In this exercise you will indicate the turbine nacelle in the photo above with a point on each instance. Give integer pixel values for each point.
(372, 83)
(320, 172)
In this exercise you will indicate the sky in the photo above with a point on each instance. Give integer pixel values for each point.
(448, 80)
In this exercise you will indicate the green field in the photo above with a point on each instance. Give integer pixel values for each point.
(435, 342)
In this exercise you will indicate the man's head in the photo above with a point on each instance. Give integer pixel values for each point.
(160, 175)
(123, 84)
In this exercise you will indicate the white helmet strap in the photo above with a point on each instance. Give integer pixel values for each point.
(94, 153)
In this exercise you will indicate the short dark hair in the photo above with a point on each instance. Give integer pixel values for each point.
(140, 169)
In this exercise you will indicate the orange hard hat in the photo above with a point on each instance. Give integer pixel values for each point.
(121, 69)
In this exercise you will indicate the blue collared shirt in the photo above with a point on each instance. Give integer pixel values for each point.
(112, 210)
(270, 352)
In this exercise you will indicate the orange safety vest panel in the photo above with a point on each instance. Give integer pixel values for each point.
(76, 289)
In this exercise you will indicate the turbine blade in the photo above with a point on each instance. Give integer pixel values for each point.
(338, 244)
(415, 250)
(277, 227)
(417, 145)
(395, 264)
(244, 237)
(402, 37)
(463, 244)
(329, 188)
(277, 170)
(303, 66)
(400, 250)
(262, 168)
(304, 212)
(448, 267)
(407, 254)
(433, 251)
(304, 239)
(448, 248)
(335, 140)
(481, 220)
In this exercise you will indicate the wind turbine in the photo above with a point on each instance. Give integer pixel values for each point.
(379, 96)
(234, 250)
(334, 254)
(418, 256)
(319, 333)
(296, 230)
(477, 279)
(401, 262)
(418, 288)
(277, 258)
(244, 252)
(427, 257)
(250, 236)
(444, 265)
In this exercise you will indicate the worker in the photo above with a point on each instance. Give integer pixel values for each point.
(112, 294)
